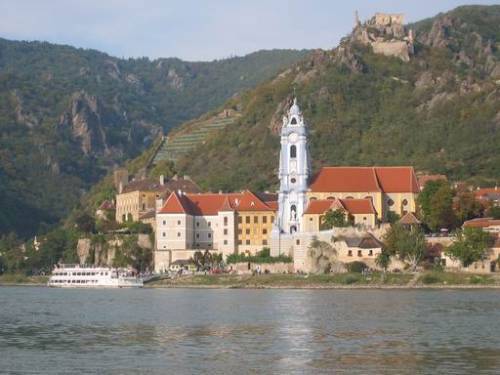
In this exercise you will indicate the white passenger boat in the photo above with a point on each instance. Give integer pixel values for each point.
(76, 276)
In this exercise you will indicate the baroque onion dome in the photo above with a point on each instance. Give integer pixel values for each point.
(293, 172)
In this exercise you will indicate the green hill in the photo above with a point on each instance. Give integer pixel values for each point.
(439, 111)
(68, 116)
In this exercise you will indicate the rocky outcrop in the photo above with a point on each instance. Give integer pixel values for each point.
(175, 80)
(83, 117)
(23, 116)
(83, 249)
(386, 34)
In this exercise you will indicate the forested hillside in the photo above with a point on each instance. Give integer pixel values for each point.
(68, 115)
(438, 111)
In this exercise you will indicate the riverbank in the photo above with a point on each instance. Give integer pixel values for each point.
(429, 280)
(20, 280)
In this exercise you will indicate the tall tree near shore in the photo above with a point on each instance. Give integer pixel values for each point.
(471, 245)
(407, 244)
(436, 204)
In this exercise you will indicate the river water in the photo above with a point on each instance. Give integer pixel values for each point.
(186, 331)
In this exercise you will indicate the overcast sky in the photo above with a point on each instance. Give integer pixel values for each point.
(196, 29)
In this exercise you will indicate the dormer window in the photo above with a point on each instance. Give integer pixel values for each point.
(294, 121)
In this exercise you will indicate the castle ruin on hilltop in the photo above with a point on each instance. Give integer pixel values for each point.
(386, 34)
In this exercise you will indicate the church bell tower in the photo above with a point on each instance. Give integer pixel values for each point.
(293, 172)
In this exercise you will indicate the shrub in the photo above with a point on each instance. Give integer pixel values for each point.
(356, 266)
(430, 278)
(351, 279)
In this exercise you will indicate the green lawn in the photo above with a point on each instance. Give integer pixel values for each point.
(286, 280)
(18, 278)
(454, 278)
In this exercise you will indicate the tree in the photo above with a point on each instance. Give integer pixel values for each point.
(467, 207)
(426, 195)
(408, 244)
(441, 213)
(85, 223)
(383, 260)
(335, 219)
(494, 212)
(471, 245)
(392, 217)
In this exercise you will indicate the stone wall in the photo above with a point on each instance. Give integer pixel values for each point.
(242, 268)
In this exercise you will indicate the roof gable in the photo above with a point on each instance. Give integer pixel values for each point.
(365, 179)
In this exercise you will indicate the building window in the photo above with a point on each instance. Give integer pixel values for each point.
(197, 223)
(331, 198)
(293, 180)
(297, 242)
(349, 253)
(390, 202)
(239, 231)
(178, 222)
(240, 219)
(247, 231)
(164, 234)
(310, 219)
(197, 235)
(364, 218)
(272, 219)
(360, 253)
(247, 219)
(370, 253)
(210, 235)
(209, 224)
(255, 219)
(178, 234)
(225, 220)
(164, 222)
(225, 242)
(239, 242)
(247, 242)
(349, 197)
(264, 242)
(293, 151)
(264, 231)
(225, 232)
(294, 121)
(312, 199)
(405, 202)
(264, 219)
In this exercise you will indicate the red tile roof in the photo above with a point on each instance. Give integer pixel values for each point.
(365, 179)
(174, 205)
(358, 206)
(487, 193)
(211, 203)
(353, 206)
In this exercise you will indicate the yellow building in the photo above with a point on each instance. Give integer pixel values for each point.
(255, 222)
(138, 198)
(391, 189)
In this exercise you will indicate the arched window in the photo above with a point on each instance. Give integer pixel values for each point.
(293, 212)
(390, 202)
(312, 199)
(331, 198)
(293, 151)
(405, 202)
(294, 121)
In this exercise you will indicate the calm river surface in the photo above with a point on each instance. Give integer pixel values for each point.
(248, 331)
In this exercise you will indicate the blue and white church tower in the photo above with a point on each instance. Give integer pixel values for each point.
(294, 169)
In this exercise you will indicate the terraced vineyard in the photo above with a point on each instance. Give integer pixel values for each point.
(180, 143)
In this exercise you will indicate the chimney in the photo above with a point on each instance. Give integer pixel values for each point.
(162, 180)
(220, 192)
(175, 178)
(186, 177)
(120, 187)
